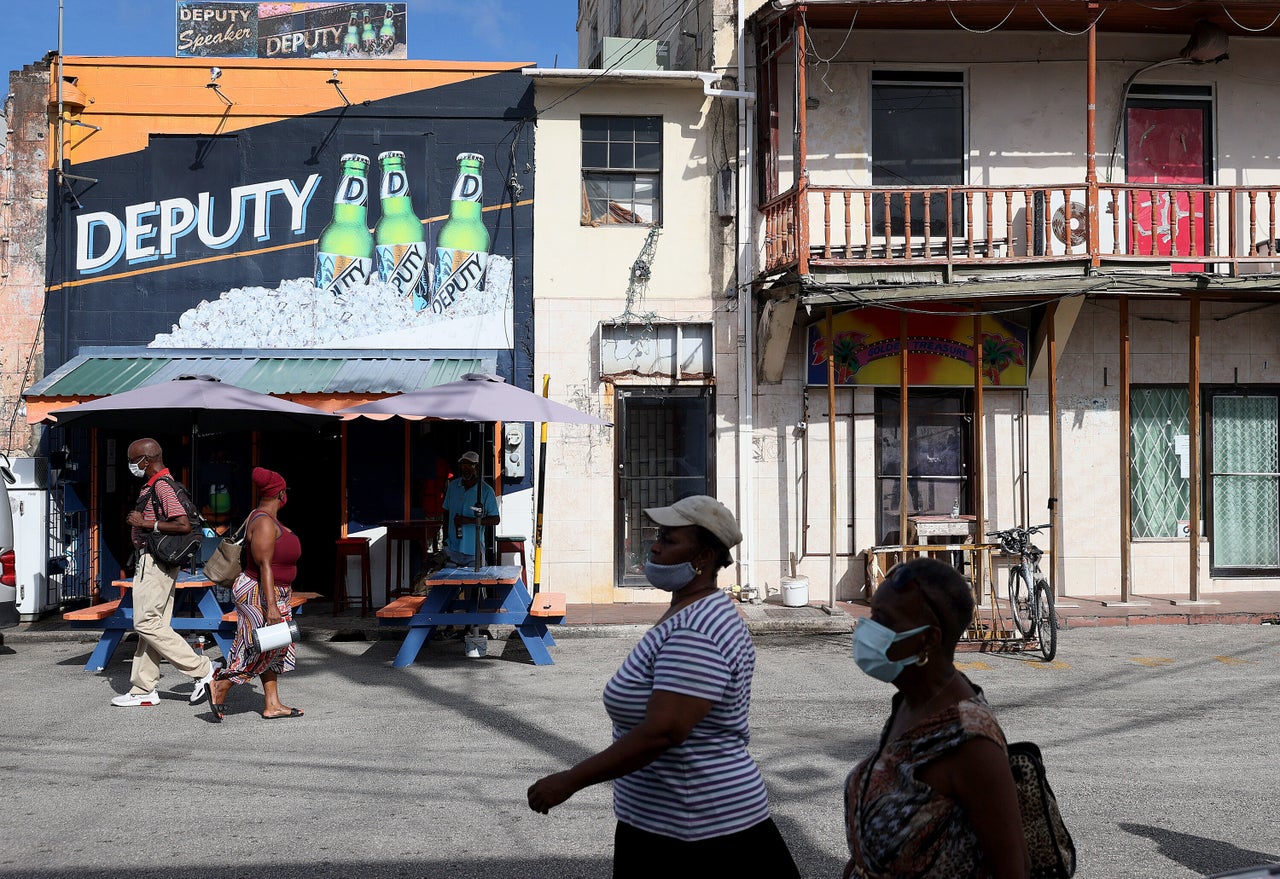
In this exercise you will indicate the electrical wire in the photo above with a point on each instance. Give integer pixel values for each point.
(1071, 33)
(818, 59)
(1249, 29)
(971, 30)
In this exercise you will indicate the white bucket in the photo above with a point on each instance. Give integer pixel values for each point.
(477, 646)
(795, 591)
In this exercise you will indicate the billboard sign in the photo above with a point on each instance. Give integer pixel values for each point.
(221, 29)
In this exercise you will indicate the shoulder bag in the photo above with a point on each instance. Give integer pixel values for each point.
(1053, 854)
(227, 561)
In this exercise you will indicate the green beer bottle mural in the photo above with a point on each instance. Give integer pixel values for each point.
(462, 247)
(351, 40)
(344, 253)
(387, 33)
(368, 38)
(400, 242)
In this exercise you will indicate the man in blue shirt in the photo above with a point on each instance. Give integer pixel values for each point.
(464, 499)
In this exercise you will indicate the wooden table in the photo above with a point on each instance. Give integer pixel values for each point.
(454, 599)
(116, 617)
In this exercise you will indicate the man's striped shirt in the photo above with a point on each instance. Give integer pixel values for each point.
(708, 785)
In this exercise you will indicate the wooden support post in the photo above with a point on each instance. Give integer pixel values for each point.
(1055, 444)
(95, 517)
(802, 146)
(977, 477)
(342, 476)
(1091, 146)
(408, 492)
(1193, 442)
(1126, 496)
(832, 495)
(903, 389)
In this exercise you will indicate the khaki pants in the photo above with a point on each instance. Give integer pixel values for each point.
(153, 589)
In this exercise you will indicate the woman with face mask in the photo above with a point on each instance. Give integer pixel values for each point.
(261, 595)
(937, 798)
(686, 793)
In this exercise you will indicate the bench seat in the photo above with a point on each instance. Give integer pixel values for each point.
(402, 608)
(92, 613)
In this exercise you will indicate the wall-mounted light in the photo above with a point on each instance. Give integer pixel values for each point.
(214, 73)
(337, 84)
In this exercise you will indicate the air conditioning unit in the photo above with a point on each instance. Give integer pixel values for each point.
(625, 53)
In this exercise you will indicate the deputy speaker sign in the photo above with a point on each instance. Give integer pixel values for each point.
(214, 28)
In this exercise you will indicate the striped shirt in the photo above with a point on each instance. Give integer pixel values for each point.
(170, 506)
(708, 785)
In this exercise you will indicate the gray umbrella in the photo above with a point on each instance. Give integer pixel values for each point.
(477, 397)
(193, 402)
(200, 404)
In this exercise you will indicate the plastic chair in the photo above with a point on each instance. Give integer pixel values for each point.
(352, 547)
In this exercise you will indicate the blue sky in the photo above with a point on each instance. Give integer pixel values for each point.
(448, 30)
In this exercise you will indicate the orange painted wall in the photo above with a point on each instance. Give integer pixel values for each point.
(123, 96)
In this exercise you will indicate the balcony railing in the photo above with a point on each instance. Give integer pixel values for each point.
(1225, 229)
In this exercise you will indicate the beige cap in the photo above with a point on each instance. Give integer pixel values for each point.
(469, 456)
(699, 510)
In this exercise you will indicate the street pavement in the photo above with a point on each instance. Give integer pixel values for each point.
(1159, 741)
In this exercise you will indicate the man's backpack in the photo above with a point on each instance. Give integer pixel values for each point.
(174, 549)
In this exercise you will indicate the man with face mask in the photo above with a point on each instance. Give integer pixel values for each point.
(154, 584)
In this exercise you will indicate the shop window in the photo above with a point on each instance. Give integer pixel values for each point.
(1243, 483)
(621, 170)
(675, 351)
(939, 437)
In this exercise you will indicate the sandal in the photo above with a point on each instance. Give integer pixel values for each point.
(219, 710)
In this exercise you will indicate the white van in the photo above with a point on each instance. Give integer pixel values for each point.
(8, 574)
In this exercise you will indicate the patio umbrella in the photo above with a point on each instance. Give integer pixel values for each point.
(195, 403)
(477, 397)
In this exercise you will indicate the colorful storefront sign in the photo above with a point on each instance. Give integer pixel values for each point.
(220, 29)
(866, 344)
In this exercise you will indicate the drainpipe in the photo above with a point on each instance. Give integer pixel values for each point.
(744, 229)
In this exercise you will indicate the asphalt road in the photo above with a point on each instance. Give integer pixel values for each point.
(1160, 743)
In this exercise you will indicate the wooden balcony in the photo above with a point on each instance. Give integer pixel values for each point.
(1225, 230)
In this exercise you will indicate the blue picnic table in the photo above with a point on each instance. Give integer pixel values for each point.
(491, 595)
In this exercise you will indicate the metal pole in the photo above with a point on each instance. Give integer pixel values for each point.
(541, 496)
(831, 452)
(1091, 145)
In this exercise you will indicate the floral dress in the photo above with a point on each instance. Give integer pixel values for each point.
(246, 662)
(896, 825)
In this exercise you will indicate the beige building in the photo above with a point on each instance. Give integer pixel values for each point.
(1079, 199)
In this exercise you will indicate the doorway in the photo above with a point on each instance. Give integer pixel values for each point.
(1167, 139)
(1243, 464)
(665, 452)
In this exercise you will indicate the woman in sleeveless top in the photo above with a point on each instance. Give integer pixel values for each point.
(261, 595)
(937, 798)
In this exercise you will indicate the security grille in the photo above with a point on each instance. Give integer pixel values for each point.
(1159, 494)
(1246, 484)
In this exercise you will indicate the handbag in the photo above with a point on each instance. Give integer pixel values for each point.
(1053, 853)
(226, 563)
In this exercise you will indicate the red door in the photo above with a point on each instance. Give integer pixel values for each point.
(1166, 146)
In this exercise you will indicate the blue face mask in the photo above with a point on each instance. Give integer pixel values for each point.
(669, 578)
(871, 643)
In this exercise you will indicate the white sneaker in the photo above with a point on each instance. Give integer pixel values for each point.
(202, 684)
(129, 700)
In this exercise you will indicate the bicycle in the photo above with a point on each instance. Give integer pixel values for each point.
(1030, 598)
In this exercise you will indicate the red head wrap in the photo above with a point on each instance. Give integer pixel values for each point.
(269, 483)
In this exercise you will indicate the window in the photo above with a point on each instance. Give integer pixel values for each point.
(675, 351)
(939, 436)
(917, 138)
(621, 170)
(1159, 498)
